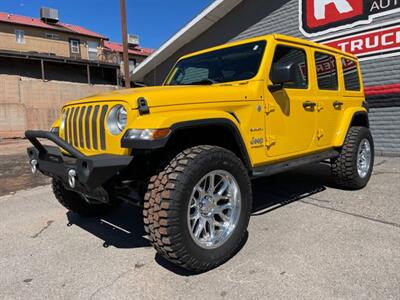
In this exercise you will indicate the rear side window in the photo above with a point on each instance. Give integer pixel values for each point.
(350, 74)
(326, 71)
(285, 54)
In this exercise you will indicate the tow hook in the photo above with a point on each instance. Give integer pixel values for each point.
(71, 178)
(34, 166)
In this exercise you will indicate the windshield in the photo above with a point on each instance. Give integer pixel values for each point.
(229, 64)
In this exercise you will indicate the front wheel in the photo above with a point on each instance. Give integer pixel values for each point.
(353, 168)
(197, 209)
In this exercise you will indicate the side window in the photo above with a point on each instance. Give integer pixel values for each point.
(326, 71)
(350, 75)
(285, 54)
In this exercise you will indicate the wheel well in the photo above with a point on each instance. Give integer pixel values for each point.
(360, 119)
(215, 135)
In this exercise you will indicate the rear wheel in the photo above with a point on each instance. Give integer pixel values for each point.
(353, 168)
(76, 203)
(197, 209)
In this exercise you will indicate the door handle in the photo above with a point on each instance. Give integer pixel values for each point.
(309, 105)
(337, 104)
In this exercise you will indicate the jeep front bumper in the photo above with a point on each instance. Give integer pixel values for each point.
(88, 172)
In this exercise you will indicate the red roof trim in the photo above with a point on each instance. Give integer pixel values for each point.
(116, 47)
(34, 22)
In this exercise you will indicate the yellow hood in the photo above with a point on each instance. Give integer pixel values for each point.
(174, 95)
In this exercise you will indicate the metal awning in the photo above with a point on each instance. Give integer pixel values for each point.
(54, 58)
(208, 17)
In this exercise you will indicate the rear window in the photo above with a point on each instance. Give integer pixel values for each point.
(350, 75)
(326, 71)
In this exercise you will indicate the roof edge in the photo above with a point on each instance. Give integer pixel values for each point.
(63, 27)
(208, 17)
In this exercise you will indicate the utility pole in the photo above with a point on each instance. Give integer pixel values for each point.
(125, 44)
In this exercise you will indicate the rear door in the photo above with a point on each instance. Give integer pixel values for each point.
(327, 96)
(289, 124)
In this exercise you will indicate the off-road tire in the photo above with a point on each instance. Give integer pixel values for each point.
(166, 204)
(75, 203)
(344, 168)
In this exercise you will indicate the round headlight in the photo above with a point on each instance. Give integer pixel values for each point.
(116, 121)
(121, 118)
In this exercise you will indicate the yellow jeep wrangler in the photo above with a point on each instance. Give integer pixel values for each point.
(186, 151)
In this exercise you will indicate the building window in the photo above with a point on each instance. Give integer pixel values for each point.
(52, 36)
(93, 50)
(132, 65)
(20, 36)
(350, 74)
(74, 46)
(285, 54)
(326, 71)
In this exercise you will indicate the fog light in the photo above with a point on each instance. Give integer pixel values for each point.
(34, 166)
(71, 178)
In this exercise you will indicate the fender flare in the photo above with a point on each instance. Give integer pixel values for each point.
(184, 125)
(347, 120)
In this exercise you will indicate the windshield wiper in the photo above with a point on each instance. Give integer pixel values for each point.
(206, 81)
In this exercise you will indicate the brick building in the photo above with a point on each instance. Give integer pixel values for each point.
(112, 52)
(369, 29)
(45, 62)
(59, 51)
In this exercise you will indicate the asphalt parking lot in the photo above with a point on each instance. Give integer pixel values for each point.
(306, 240)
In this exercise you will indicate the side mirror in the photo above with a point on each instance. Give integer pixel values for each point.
(281, 73)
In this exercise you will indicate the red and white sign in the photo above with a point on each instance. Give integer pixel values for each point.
(318, 17)
(325, 12)
(378, 41)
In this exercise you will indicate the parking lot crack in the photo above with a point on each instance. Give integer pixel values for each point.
(43, 229)
(110, 284)
(353, 214)
(385, 173)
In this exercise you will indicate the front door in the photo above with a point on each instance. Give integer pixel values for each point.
(290, 114)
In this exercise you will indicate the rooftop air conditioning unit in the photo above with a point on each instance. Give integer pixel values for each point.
(133, 40)
(49, 15)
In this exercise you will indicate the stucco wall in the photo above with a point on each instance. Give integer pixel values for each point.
(27, 103)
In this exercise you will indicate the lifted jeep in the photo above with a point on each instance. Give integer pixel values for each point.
(186, 151)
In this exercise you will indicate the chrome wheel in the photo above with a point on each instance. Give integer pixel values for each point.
(214, 209)
(364, 158)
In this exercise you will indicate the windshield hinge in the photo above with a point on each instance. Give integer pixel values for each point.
(142, 106)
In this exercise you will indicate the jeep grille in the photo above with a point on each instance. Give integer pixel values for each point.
(85, 126)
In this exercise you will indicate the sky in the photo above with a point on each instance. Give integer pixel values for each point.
(155, 21)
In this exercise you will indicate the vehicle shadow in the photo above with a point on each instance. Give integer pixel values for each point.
(275, 191)
(123, 228)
